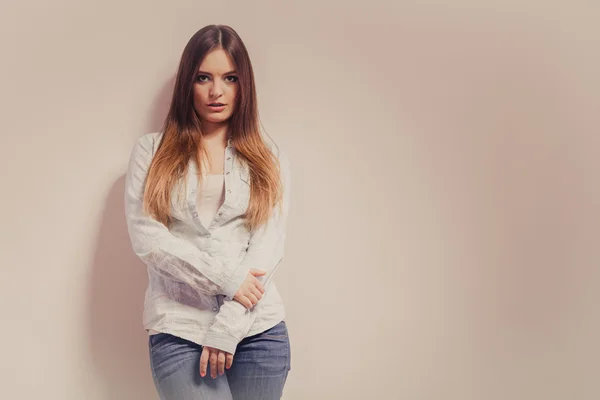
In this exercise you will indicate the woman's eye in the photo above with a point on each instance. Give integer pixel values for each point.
(206, 78)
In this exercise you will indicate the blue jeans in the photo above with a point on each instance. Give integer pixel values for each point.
(260, 367)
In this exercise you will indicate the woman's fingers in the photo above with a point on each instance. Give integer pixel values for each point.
(221, 362)
(204, 360)
(213, 364)
(257, 272)
(253, 298)
(242, 299)
(247, 303)
(258, 285)
(258, 294)
(218, 359)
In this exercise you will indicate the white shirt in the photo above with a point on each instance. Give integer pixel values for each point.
(208, 201)
(195, 268)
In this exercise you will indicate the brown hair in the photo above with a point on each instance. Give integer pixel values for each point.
(182, 131)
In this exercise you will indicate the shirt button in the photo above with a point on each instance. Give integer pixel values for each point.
(220, 213)
(227, 173)
(195, 214)
(229, 191)
(214, 308)
(229, 158)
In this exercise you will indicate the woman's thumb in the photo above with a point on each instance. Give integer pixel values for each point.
(256, 272)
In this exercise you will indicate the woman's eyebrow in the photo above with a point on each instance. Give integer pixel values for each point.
(208, 73)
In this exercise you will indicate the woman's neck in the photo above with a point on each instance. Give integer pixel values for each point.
(214, 135)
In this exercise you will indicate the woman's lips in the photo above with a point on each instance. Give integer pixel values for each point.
(217, 108)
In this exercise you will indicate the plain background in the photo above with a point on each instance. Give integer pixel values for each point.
(443, 242)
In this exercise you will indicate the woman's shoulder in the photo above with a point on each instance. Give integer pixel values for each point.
(149, 142)
(280, 154)
(277, 151)
(153, 138)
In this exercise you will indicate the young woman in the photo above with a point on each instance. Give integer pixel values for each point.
(206, 203)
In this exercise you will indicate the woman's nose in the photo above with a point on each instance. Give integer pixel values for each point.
(216, 90)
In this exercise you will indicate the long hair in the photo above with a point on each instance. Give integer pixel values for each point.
(182, 132)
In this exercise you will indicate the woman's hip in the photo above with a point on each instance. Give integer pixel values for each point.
(259, 370)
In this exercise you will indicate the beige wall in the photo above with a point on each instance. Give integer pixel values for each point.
(443, 239)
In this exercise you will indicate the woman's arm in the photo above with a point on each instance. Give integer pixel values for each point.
(165, 253)
(266, 249)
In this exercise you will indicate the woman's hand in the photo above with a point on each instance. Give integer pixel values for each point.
(251, 290)
(219, 360)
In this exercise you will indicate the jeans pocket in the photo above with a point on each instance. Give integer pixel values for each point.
(157, 339)
(279, 331)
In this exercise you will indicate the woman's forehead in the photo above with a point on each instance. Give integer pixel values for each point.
(217, 62)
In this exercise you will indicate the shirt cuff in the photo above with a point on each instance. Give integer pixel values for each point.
(221, 341)
(234, 282)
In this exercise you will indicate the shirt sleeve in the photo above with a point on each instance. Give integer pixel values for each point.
(233, 321)
(166, 254)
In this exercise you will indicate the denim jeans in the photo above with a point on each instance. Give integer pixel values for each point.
(260, 367)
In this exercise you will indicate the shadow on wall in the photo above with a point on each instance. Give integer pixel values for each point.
(117, 340)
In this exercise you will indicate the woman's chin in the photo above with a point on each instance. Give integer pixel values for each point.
(214, 119)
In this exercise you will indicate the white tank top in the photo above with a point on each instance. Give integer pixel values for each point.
(211, 195)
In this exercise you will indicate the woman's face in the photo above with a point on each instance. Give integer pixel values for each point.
(216, 82)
